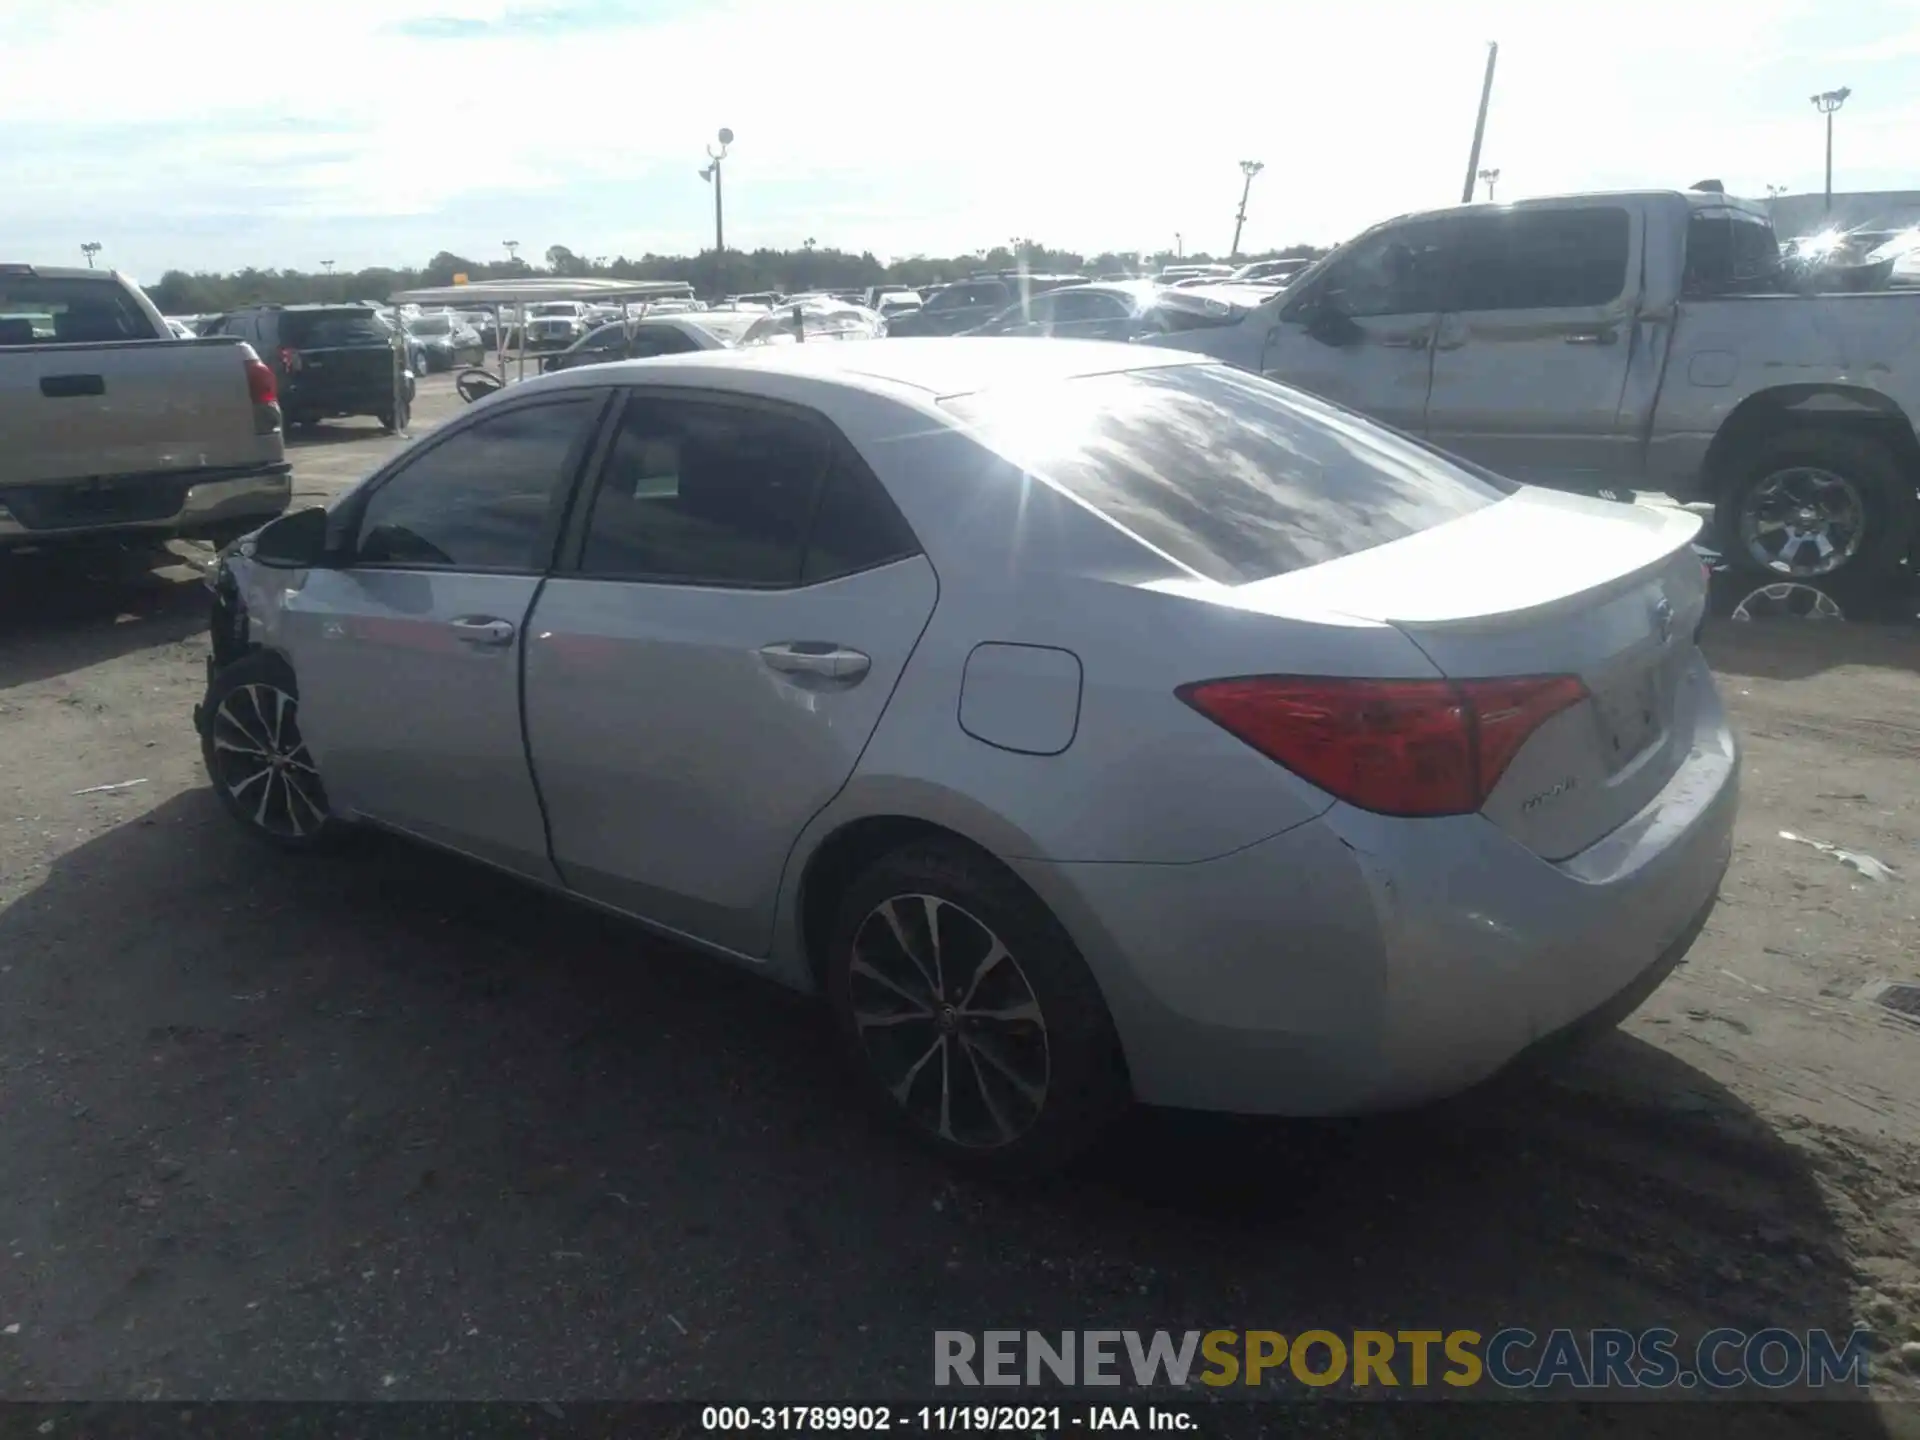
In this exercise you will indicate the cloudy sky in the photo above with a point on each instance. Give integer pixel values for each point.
(211, 134)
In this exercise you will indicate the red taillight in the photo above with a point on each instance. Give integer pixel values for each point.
(1398, 747)
(260, 382)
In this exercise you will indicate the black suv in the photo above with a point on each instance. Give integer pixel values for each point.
(967, 303)
(327, 360)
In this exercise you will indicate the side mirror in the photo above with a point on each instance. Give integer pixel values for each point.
(293, 542)
(1327, 320)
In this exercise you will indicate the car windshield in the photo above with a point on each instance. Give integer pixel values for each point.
(552, 309)
(1229, 474)
(433, 325)
(325, 329)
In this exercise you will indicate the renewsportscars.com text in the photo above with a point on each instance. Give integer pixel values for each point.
(1512, 1358)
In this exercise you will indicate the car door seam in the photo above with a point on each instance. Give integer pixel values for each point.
(879, 719)
(583, 472)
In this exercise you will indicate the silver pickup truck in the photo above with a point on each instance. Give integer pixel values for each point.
(111, 425)
(1610, 343)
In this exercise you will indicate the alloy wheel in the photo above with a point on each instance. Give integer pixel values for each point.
(949, 1022)
(1803, 521)
(263, 763)
(1788, 601)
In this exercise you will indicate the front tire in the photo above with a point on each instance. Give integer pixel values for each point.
(262, 772)
(1812, 505)
(969, 1014)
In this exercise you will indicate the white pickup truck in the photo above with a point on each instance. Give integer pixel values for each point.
(1610, 343)
(111, 425)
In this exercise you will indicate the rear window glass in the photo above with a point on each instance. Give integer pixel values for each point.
(44, 310)
(329, 329)
(1227, 473)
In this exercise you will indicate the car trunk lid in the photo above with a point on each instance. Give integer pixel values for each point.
(1544, 583)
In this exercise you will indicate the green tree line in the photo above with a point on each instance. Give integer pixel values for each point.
(737, 272)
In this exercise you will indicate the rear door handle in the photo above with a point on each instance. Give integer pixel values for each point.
(69, 387)
(814, 657)
(1405, 342)
(482, 630)
(1607, 335)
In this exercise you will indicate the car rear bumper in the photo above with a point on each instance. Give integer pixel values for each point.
(1360, 963)
(186, 505)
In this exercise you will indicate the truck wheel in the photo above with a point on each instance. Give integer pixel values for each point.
(1808, 504)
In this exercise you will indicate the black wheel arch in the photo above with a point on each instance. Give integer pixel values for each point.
(1848, 409)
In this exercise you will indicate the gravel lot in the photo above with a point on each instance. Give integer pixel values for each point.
(386, 1126)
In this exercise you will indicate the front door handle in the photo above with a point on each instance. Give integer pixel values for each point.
(482, 630)
(814, 657)
(1606, 335)
(1404, 342)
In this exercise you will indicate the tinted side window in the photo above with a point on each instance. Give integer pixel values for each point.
(856, 526)
(1080, 305)
(478, 500)
(1400, 271)
(1729, 252)
(657, 340)
(1544, 259)
(705, 492)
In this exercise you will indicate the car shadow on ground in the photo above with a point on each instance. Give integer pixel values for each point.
(332, 432)
(62, 610)
(384, 1124)
(1802, 649)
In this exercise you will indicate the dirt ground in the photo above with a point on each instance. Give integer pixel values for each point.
(380, 1126)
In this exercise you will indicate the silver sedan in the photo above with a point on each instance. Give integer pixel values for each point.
(1085, 723)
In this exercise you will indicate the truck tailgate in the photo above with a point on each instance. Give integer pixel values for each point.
(130, 407)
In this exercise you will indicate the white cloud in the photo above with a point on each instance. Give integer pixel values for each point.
(934, 126)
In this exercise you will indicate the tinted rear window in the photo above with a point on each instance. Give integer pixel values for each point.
(45, 310)
(1231, 475)
(331, 329)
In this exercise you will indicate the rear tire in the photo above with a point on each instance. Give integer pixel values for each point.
(1797, 489)
(392, 422)
(969, 1014)
(262, 772)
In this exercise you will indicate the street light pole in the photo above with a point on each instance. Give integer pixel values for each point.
(712, 176)
(1492, 178)
(1826, 102)
(90, 249)
(1248, 168)
(1480, 123)
(512, 247)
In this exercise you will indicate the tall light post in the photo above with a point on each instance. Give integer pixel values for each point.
(1480, 123)
(1179, 247)
(512, 247)
(90, 249)
(1826, 102)
(711, 174)
(1490, 178)
(1248, 168)
(327, 265)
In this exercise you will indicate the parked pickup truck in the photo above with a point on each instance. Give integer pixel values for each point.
(109, 424)
(1615, 342)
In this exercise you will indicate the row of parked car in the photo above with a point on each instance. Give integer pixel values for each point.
(1608, 344)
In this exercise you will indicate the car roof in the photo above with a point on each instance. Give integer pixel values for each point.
(938, 368)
